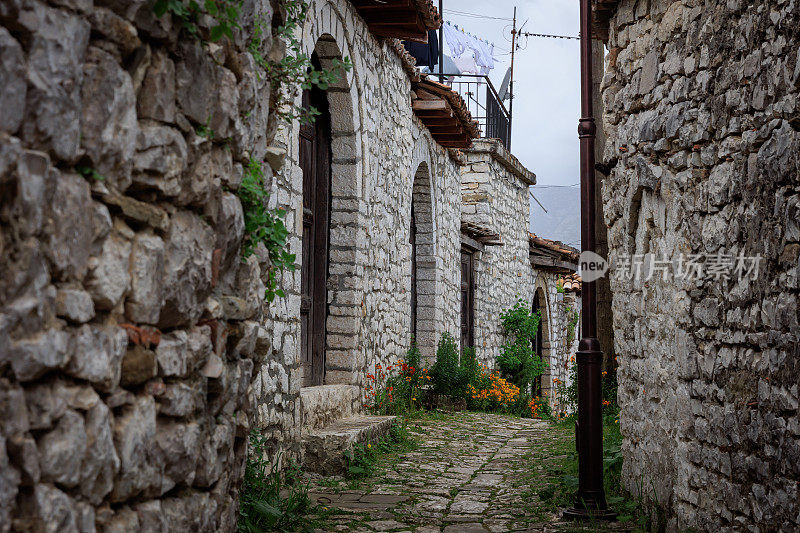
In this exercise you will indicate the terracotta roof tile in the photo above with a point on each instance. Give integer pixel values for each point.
(567, 252)
(570, 283)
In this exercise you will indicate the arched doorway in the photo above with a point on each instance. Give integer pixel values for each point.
(423, 264)
(315, 162)
(540, 341)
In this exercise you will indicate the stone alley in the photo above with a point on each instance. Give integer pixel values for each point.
(466, 473)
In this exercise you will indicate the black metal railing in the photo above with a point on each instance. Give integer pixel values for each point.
(484, 104)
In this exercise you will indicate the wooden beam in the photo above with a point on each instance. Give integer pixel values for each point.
(450, 137)
(430, 105)
(400, 33)
(548, 262)
(472, 244)
(453, 128)
(422, 94)
(391, 17)
(453, 144)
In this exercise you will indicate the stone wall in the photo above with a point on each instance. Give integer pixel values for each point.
(129, 324)
(701, 113)
(494, 190)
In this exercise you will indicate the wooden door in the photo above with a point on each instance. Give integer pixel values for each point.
(412, 239)
(315, 160)
(467, 299)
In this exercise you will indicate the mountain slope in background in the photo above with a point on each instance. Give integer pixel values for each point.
(562, 221)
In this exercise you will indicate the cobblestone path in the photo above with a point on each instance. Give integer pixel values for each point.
(471, 472)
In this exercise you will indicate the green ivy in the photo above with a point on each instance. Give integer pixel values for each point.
(265, 226)
(225, 13)
(518, 362)
(296, 68)
(572, 318)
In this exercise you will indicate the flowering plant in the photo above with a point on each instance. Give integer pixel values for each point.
(490, 392)
(395, 388)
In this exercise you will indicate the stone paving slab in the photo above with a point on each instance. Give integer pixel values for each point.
(472, 472)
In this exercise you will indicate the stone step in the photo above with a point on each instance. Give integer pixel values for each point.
(325, 450)
(324, 404)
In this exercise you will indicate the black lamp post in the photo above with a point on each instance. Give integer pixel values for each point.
(590, 502)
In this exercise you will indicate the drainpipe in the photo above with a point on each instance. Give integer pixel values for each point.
(590, 502)
(441, 42)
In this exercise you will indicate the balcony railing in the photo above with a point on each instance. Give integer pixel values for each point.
(484, 104)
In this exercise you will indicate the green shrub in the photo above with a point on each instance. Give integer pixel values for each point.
(518, 362)
(447, 375)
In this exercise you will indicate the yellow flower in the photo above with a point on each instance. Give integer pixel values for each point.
(369, 445)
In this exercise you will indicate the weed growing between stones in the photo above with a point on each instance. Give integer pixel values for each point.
(363, 459)
(224, 12)
(271, 500)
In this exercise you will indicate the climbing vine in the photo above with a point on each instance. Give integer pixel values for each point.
(296, 69)
(264, 226)
(286, 75)
(225, 13)
(572, 322)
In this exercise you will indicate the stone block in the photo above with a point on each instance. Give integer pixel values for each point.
(187, 269)
(157, 96)
(143, 305)
(108, 118)
(31, 358)
(57, 42)
(160, 158)
(138, 365)
(61, 450)
(48, 509)
(134, 431)
(325, 450)
(100, 464)
(74, 304)
(13, 86)
(109, 277)
(97, 355)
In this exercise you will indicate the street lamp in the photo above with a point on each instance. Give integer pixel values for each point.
(590, 502)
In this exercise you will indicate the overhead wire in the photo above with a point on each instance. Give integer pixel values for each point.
(474, 15)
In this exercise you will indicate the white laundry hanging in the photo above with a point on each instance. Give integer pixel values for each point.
(473, 54)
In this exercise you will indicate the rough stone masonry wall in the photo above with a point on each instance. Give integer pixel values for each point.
(381, 154)
(129, 324)
(494, 188)
(701, 112)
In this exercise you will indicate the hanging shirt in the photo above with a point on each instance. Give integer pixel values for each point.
(426, 54)
(462, 43)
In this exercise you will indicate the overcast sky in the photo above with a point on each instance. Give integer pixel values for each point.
(546, 79)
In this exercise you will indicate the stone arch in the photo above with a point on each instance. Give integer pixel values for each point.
(540, 296)
(424, 261)
(325, 34)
